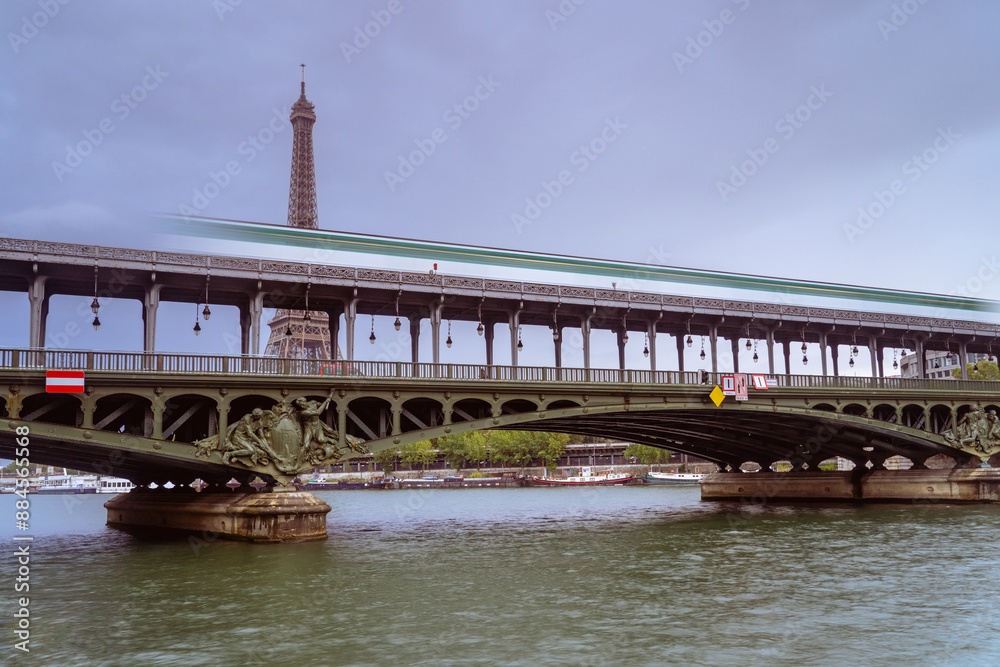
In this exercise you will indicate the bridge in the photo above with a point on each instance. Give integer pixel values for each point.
(155, 417)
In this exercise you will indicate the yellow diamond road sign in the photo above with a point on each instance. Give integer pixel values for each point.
(717, 396)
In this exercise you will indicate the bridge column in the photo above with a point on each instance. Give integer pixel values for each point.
(713, 339)
(734, 344)
(150, 302)
(822, 351)
(963, 359)
(256, 311)
(557, 339)
(621, 348)
(39, 311)
(786, 350)
(435, 318)
(350, 318)
(88, 408)
(488, 333)
(770, 350)
(396, 410)
(585, 331)
(414, 322)
(244, 330)
(876, 359)
(680, 352)
(834, 356)
(342, 407)
(651, 332)
(223, 419)
(514, 317)
(333, 324)
(157, 409)
(921, 356)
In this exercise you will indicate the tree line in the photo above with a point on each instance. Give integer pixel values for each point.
(474, 449)
(515, 449)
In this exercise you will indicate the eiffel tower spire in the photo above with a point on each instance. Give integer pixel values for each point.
(301, 334)
(302, 191)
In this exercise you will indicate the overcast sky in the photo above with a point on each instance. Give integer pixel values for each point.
(735, 135)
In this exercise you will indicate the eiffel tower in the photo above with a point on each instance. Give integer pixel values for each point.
(297, 333)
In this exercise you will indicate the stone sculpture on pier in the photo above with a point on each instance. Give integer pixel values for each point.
(290, 435)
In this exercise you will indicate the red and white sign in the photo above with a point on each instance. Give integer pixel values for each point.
(760, 382)
(741, 386)
(64, 382)
(728, 385)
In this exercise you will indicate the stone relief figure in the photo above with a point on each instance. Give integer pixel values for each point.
(977, 431)
(290, 434)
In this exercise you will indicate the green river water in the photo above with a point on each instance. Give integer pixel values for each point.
(532, 576)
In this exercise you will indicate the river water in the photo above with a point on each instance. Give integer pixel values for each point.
(533, 576)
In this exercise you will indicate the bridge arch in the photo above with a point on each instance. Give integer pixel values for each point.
(189, 417)
(370, 418)
(518, 406)
(560, 404)
(885, 412)
(912, 415)
(123, 412)
(855, 410)
(470, 409)
(65, 409)
(420, 412)
(940, 418)
(169, 394)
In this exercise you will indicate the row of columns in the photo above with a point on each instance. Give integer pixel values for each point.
(252, 312)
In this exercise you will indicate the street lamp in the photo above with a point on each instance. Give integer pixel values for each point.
(206, 313)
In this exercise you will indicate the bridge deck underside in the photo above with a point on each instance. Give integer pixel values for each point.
(732, 438)
(141, 467)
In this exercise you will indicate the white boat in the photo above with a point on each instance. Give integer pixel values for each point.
(585, 480)
(115, 485)
(66, 484)
(671, 478)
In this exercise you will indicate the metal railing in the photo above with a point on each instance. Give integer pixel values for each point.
(141, 363)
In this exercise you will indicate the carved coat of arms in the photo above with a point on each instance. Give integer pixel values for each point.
(289, 435)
